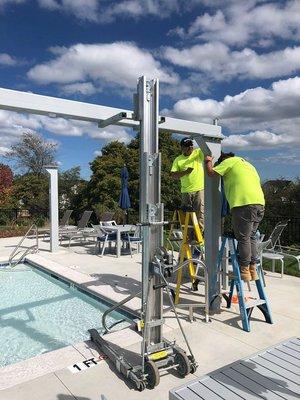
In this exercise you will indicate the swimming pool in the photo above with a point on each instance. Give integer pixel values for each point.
(40, 313)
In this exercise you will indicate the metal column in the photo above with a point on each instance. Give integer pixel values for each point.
(212, 232)
(53, 198)
(151, 209)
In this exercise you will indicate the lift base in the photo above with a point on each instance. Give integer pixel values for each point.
(172, 357)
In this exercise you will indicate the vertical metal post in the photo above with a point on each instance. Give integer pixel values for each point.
(53, 199)
(151, 209)
(212, 231)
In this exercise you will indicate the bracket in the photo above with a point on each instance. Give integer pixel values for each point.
(115, 119)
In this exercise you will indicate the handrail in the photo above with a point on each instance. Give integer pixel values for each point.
(15, 250)
(113, 308)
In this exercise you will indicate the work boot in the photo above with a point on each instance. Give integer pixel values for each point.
(253, 272)
(245, 274)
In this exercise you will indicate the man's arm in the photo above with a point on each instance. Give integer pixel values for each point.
(209, 167)
(180, 174)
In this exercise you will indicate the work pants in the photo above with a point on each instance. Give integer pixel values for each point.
(195, 201)
(245, 221)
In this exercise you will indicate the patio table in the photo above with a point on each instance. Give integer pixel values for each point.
(119, 229)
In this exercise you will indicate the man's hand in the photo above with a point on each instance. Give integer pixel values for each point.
(209, 167)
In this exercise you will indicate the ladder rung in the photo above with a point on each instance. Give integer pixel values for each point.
(254, 303)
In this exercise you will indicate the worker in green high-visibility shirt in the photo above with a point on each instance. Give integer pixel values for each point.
(188, 168)
(246, 201)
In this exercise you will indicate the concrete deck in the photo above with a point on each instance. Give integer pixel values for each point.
(214, 344)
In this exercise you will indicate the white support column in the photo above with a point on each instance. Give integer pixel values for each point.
(53, 199)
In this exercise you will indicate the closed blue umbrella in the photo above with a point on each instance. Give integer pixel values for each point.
(124, 201)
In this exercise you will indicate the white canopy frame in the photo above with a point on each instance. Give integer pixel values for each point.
(145, 117)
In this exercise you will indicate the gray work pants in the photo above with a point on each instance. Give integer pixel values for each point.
(245, 221)
(195, 200)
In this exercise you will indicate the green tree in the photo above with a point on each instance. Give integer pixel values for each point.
(31, 192)
(69, 185)
(103, 190)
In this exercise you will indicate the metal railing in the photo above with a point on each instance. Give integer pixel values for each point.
(31, 249)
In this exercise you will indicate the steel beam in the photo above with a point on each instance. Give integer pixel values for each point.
(18, 101)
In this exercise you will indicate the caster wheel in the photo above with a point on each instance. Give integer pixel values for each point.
(141, 386)
(152, 373)
(184, 364)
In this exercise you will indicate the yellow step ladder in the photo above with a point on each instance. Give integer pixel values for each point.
(189, 226)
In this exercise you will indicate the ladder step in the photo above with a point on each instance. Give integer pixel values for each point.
(254, 303)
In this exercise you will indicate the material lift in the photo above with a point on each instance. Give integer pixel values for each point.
(157, 353)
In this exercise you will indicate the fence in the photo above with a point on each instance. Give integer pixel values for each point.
(290, 235)
(19, 216)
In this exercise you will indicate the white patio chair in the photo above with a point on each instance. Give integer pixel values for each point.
(267, 249)
(133, 237)
(104, 236)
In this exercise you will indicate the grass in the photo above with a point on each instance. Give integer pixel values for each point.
(290, 266)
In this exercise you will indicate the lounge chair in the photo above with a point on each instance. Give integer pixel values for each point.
(268, 248)
(65, 218)
(77, 232)
(82, 223)
(62, 223)
(107, 216)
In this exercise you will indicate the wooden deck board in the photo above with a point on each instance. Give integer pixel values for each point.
(273, 374)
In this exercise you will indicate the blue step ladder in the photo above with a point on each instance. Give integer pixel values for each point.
(246, 307)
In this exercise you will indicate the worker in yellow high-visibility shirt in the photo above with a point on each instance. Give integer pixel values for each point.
(246, 200)
(188, 167)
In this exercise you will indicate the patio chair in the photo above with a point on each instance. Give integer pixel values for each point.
(104, 236)
(72, 233)
(83, 234)
(62, 223)
(107, 216)
(268, 249)
(65, 218)
(133, 237)
(82, 223)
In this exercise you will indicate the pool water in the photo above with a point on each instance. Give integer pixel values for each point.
(39, 313)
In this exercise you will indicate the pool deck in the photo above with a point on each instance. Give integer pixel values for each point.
(214, 344)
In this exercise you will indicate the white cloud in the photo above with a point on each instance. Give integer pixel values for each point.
(217, 61)
(82, 9)
(259, 140)
(85, 88)
(7, 60)
(241, 22)
(12, 125)
(3, 150)
(118, 63)
(281, 158)
(111, 133)
(138, 9)
(273, 115)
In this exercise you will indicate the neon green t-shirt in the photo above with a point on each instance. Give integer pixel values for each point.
(241, 182)
(195, 180)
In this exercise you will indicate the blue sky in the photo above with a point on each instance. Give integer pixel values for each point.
(239, 62)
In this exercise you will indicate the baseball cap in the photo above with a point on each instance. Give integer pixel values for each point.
(186, 142)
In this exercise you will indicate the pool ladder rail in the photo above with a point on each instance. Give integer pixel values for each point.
(32, 249)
